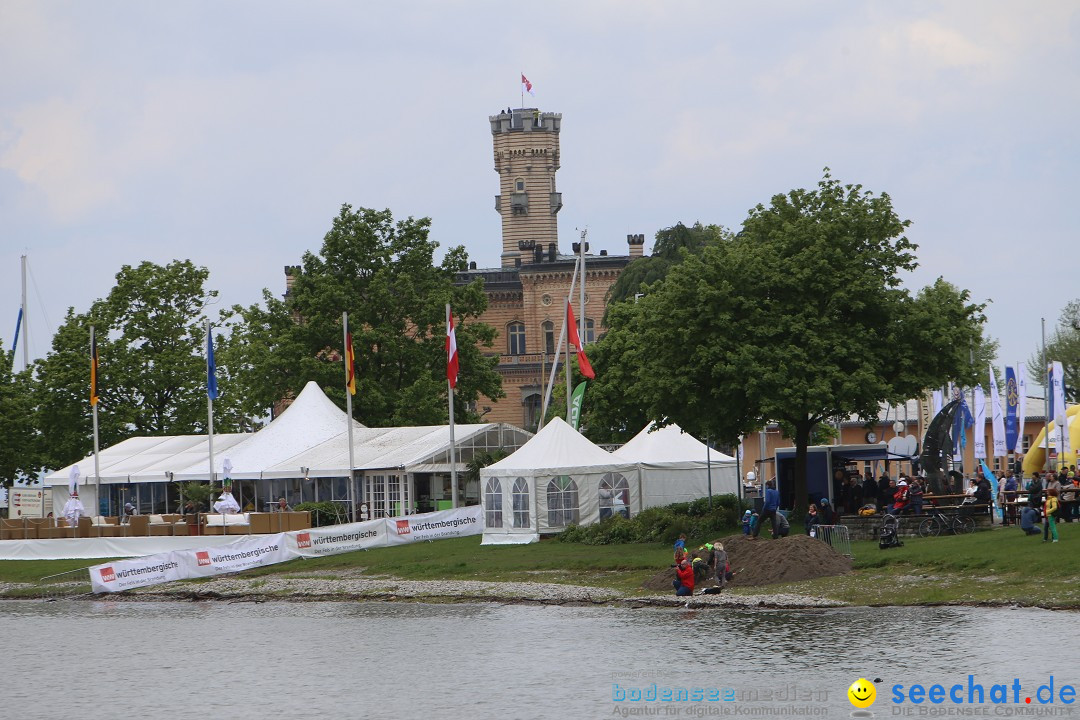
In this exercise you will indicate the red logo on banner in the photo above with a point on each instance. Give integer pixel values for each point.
(108, 574)
(203, 557)
(303, 540)
(403, 527)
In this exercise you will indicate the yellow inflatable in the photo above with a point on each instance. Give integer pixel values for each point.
(1036, 456)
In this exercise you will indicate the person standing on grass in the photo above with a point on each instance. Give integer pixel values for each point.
(769, 507)
(1051, 507)
(1010, 489)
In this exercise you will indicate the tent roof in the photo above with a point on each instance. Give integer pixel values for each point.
(669, 445)
(559, 449)
(383, 448)
(149, 458)
(311, 419)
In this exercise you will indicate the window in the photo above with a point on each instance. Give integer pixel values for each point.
(614, 496)
(493, 503)
(549, 337)
(519, 185)
(590, 331)
(520, 497)
(532, 411)
(562, 501)
(515, 336)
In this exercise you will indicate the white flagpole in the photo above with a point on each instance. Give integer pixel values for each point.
(348, 411)
(453, 458)
(581, 290)
(209, 410)
(97, 446)
(569, 389)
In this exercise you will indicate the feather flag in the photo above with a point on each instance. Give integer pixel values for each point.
(93, 368)
(451, 353)
(1012, 401)
(996, 419)
(350, 365)
(1021, 405)
(979, 434)
(571, 328)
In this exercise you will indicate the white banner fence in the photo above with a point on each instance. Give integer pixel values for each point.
(258, 550)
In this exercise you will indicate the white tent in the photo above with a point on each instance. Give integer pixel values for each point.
(674, 467)
(557, 478)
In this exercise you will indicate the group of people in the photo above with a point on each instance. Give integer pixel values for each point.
(1052, 498)
(714, 565)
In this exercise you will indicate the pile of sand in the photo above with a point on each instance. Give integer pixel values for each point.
(764, 562)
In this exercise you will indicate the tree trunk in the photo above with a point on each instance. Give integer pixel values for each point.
(803, 429)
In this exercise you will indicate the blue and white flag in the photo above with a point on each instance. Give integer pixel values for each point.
(997, 422)
(211, 370)
(979, 434)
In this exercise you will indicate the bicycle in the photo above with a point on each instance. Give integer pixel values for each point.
(939, 521)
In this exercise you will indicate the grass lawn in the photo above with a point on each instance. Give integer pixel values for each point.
(999, 567)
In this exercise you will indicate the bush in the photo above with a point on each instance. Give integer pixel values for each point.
(323, 513)
(664, 524)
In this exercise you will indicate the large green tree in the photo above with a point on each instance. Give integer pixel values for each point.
(151, 340)
(800, 317)
(1063, 346)
(19, 443)
(381, 272)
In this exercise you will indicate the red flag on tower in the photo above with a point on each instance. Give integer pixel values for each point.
(526, 85)
(451, 353)
(582, 360)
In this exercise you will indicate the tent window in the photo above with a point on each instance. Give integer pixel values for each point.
(562, 501)
(520, 496)
(614, 496)
(493, 503)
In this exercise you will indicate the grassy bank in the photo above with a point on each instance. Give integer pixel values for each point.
(996, 567)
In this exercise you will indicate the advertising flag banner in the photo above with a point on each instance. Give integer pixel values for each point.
(576, 401)
(350, 365)
(980, 423)
(996, 418)
(1021, 405)
(93, 368)
(1012, 400)
(451, 353)
(938, 402)
(126, 574)
(1057, 393)
(211, 369)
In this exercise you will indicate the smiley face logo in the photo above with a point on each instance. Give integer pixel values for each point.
(862, 693)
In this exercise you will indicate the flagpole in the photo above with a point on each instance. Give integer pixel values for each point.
(1046, 398)
(521, 87)
(349, 368)
(558, 349)
(581, 290)
(25, 320)
(453, 457)
(93, 408)
(210, 370)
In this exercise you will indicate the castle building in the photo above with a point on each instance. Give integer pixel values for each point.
(527, 294)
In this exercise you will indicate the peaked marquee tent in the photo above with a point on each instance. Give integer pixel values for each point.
(557, 478)
(674, 467)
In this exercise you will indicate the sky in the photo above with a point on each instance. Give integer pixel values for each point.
(230, 133)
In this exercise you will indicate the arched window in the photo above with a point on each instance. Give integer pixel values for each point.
(520, 497)
(562, 501)
(532, 411)
(515, 338)
(519, 185)
(614, 496)
(548, 328)
(493, 503)
(590, 331)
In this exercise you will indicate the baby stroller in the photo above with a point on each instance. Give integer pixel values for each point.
(889, 536)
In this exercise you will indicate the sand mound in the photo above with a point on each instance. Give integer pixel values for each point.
(764, 562)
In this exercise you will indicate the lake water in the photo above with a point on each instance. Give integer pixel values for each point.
(273, 661)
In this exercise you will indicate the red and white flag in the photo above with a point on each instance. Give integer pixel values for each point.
(526, 85)
(582, 360)
(451, 353)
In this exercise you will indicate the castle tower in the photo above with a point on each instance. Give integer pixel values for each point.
(526, 144)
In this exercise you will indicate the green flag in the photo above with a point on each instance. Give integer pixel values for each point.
(575, 405)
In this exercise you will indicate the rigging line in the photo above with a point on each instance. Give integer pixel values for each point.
(41, 303)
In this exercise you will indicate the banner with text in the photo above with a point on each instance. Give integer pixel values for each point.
(258, 550)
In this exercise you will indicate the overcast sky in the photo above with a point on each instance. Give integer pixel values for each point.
(230, 133)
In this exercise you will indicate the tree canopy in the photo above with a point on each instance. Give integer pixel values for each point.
(798, 318)
(151, 338)
(1062, 346)
(381, 272)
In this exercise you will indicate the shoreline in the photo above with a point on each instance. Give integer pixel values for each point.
(332, 587)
